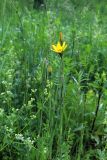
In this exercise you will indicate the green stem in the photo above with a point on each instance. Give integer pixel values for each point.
(98, 105)
(84, 105)
(61, 101)
(96, 112)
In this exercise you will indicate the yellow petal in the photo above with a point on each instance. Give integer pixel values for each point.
(54, 47)
(58, 45)
(65, 47)
(63, 44)
(59, 50)
(53, 50)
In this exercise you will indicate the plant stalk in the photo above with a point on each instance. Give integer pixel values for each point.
(97, 108)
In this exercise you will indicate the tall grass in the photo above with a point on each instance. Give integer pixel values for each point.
(53, 108)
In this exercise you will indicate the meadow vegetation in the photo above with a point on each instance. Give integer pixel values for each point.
(53, 105)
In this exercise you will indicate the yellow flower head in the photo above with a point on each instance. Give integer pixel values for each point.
(60, 46)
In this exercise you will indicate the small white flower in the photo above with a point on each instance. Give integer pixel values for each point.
(19, 137)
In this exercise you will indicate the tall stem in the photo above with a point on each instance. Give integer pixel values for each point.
(84, 106)
(61, 102)
(62, 81)
(97, 106)
(96, 112)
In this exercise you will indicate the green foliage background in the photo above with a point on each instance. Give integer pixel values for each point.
(37, 121)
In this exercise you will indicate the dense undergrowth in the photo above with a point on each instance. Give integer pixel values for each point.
(53, 108)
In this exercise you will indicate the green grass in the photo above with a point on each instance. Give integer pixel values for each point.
(53, 109)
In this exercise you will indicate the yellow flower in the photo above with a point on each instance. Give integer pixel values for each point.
(59, 48)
